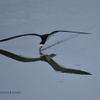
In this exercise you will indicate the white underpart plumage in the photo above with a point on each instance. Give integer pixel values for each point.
(49, 37)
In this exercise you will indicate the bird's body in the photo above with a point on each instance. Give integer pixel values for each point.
(43, 37)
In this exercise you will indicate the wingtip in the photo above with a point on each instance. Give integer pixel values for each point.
(90, 74)
(89, 33)
(87, 73)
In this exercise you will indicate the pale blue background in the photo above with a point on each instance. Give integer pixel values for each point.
(37, 80)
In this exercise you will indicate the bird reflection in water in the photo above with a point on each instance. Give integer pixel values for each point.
(44, 57)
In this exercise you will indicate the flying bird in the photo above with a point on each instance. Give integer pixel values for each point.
(47, 58)
(43, 37)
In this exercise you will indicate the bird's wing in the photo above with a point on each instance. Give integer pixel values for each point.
(58, 67)
(68, 31)
(17, 36)
(18, 57)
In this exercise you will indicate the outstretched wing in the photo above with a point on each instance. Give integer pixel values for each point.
(18, 57)
(17, 36)
(68, 31)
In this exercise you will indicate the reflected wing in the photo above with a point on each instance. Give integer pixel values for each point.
(17, 36)
(58, 67)
(75, 71)
(17, 57)
(47, 58)
(68, 31)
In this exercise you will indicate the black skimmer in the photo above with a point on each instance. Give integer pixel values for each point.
(43, 37)
(47, 58)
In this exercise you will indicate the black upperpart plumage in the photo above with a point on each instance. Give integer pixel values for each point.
(43, 37)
